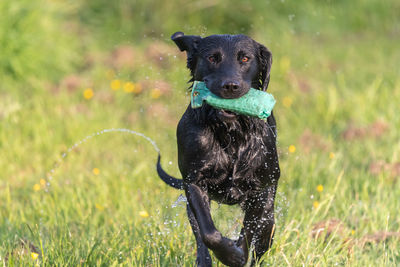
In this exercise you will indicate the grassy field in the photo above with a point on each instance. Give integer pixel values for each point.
(72, 195)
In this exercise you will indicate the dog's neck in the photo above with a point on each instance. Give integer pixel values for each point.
(235, 131)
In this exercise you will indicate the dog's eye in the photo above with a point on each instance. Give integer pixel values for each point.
(212, 59)
(245, 59)
(215, 58)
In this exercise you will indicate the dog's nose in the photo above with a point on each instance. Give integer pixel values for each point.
(230, 85)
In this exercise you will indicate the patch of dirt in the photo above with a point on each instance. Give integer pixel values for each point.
(79, 109)
(324, 229)
(333, 67)
(376, 167)
(396, 169)
(377, 237)
(378, 128)
(123, 56)
(352, 133)
(131, 117)
(24, 248)
(71, 83)
(160, 111)
(105, 97)
(381, 166)
(160, 54)
(310, 141)
(374, 130)
(164, 86)
(302, 83)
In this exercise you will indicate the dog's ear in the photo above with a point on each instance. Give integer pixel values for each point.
(186, 43)
(189, 44)
(265, 61)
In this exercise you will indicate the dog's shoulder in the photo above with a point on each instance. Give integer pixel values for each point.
(190, 128)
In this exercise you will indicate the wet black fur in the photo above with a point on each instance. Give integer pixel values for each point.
(226, 157)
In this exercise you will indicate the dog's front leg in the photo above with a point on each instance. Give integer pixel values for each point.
(224, 248)
(258, 223)
(203, 256)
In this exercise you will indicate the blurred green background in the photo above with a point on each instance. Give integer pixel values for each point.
(71, 195)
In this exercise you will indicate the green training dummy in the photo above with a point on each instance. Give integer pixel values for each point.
(254, 103)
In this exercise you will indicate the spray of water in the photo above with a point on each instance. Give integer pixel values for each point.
(181, 198)
(87, 138)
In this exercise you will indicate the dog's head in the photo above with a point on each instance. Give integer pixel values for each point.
(228, 64)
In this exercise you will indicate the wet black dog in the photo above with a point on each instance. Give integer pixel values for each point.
(223, 156)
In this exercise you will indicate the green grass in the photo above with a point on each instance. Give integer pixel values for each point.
(336, 71)
(35, 44)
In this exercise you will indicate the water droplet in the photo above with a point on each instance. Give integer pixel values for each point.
(181, 199)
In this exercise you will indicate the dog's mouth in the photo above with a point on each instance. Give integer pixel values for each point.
(226, 114)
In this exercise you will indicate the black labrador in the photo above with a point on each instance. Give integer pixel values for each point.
(223, 156)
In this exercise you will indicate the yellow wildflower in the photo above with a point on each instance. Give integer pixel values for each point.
(99, 207)
(155, 93)
(88, 93)
(42, 182)
(353, 232)
(292, 149)
(143, 214)
(129, 87)
(315, 204)
(287, 101)
(331, 155)
(138, 88)
(34, 255)
(320, 188)
(96, 171)
(115, 85)
(36, 187)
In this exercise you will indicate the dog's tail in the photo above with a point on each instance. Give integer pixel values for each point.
(169, 180)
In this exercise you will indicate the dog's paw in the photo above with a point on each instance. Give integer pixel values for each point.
(229, 254)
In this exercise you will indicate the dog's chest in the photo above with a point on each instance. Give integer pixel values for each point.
(237, 165)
